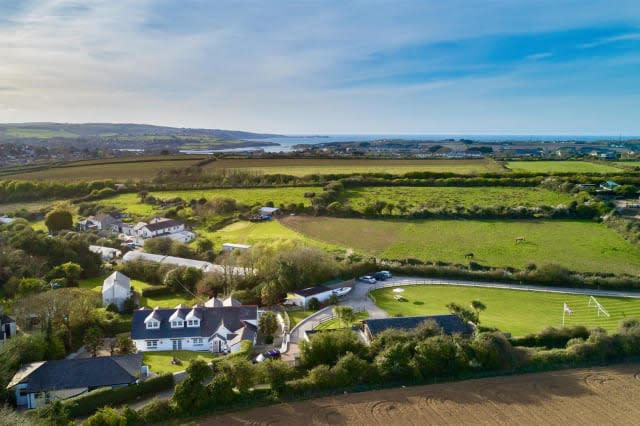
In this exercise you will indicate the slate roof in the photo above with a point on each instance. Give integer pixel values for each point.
(310, 291)
(233, 318)
(163, 224)
(79, 373)
(117, 279)
(450, 324)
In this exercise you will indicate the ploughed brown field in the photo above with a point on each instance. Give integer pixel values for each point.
(607, 395)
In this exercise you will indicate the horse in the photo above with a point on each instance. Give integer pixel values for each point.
(468, 256)
(520, 240)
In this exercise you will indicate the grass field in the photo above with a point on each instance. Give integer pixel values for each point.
(248, 196)
(561, 167)
(515, 311)
(303, 167)
(120, 171)
(577, 245)
(335, 324)
(160, 362)
(448, 197)
(244, 232)
(296, 316)
(20, 132)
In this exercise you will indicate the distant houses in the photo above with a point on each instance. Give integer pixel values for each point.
(39, 383)
(107, 254)
(218, 327)
(116, 289)
(156, 227)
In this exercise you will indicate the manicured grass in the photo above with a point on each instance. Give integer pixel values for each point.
(561, 167)
(244, 232)
(335, 324)
(514, 311)
(303, 167)
(296, 316)
(577, 245)
(160, 362)
(449, 197)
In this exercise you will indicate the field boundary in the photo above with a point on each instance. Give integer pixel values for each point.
(408, 281)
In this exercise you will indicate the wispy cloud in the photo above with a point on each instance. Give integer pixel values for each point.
(334, 66)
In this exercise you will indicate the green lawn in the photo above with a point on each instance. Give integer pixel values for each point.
(514, 311)
(561, 167)
(335, 324)
(21, 132)
(160, 362)
(296, 316)
(450, 197)
(578, 245)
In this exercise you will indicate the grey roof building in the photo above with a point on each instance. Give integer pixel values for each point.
(450, 324)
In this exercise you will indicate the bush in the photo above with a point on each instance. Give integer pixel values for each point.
(89, 403)
(157, 411)
(157, 291)
(328, 347)
(314, 304)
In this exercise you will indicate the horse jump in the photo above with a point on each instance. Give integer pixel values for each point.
(520, 240)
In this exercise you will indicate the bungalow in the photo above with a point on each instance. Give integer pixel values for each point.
(116, 289)
(39, 383)
(450, 324)
(7, 327)
(269, 211)
(219, 329)
(233, 246)
(159, 226)
(609, 185)
(304, 296)
(107, 254)
(99, 222)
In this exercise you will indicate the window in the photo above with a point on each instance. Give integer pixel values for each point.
(153, 324)
(177, 324)
(152, 344)
(197, 341)
(193, 323)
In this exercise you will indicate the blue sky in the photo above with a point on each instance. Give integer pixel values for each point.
(491, 67)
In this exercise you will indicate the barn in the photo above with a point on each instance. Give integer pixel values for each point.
(302, 297)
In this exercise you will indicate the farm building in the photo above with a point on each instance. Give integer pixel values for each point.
(232, 247)
(302, 297)
(6, 220)
(219, 329)
(99, 222)
(39, 383)
(106, 253)
(450, 324)
(7, 327)
(269, 211)
(163, 227)
(116, 289)
(133, 256)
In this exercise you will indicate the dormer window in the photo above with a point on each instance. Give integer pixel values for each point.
(153, 324)
(193, 322)
(177, 324)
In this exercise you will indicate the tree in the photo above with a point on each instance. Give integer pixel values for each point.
(345, 315)
(203, 245)
(93, 340)
(270, 293)
(478, 307)
(241, 373)
(314, 304)
(463, 313)
(268, 324)
(188, 394)
(69, 271)
(333, 299)
(276, 373)
(327, 348)
(58, 219)
(124, 345)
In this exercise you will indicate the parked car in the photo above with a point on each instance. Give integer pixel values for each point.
(367, 279)
(341, 291)
(270, 354)
(382, 275)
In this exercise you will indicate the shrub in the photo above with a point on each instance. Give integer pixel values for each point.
(157, 411)
(314, 304)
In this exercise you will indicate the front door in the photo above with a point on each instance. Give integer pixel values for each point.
(7, 331)
(177, 344)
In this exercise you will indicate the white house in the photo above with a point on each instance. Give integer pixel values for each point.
(302, 297)
(233, 246)
(159, 226)
(100, 222)
(7, 327)
(116, 289)
(106, 253)
(219, 329)
(39, 383)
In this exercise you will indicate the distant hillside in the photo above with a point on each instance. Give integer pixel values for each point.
(16, 131)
